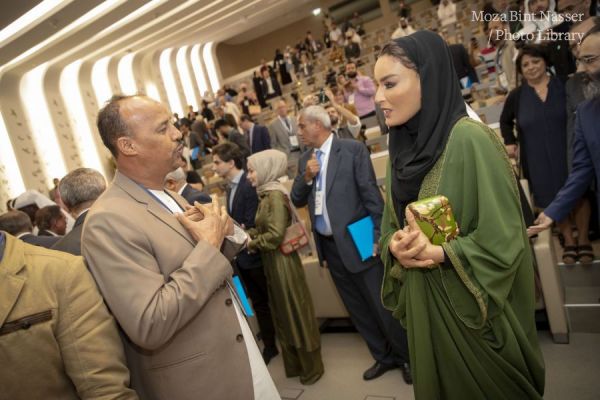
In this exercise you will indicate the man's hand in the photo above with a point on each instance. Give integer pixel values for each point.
(330, 96)
(211, 228)
(312, 168)
(542, 223)
(511, 149)
(375, 249)
(193, 212)
(411, 247)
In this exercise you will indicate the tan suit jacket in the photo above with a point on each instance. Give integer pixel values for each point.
(169, 295)
(57, 339)
(280, 135)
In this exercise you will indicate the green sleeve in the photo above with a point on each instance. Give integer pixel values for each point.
(492, 245)
(393, 272)
(270, 237)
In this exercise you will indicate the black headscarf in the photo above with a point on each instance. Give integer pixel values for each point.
(416, 145)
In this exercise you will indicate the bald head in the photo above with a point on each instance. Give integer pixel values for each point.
(146, 144)
(282, 108)
(578, 31)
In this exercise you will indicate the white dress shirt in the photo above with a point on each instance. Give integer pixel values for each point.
(322, 179)
(264, 387)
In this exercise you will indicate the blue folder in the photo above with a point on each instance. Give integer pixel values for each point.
(361, 232)
(241, 295)
(195, 151)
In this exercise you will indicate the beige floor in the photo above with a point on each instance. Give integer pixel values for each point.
(572, 372)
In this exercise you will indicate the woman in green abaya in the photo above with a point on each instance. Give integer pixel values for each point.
(468, 305)
(289, 297)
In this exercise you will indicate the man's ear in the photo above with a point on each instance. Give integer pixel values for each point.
(170, 184)
(126, 146)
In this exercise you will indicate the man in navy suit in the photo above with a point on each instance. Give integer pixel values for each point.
(242, 202)
(176, 182)
(586, 146)
(258, 135)
(337, 181)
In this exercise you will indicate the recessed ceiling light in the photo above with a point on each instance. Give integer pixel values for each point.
(316, 11)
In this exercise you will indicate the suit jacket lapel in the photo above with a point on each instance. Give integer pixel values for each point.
(237, 192)
(332, 164)
(153, 206)
(10, 284)
(80, 219)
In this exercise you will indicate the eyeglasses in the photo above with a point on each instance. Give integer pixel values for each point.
(587, 60)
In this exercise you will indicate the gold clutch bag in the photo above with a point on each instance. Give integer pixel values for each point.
(435, 218)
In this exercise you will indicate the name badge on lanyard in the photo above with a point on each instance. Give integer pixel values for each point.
(294, 141)
(319, 196)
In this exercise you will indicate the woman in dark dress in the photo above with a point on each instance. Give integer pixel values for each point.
(538, 109)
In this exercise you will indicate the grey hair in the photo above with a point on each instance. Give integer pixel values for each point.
(178, 175)
(81, 185)
(317, 113)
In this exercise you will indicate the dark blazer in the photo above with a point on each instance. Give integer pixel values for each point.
(243, 211)
(575, 96)
(192, 195)
(344, 133)
(264, 87)
(44, 232)
(351, 194)
(71, 242)
(261, 140)
(586, 163)
(42, 241)
(462, 66)
(242, 141)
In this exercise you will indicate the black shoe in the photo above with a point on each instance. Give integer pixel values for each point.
(377, 370)
(406, 374)
(268, 353)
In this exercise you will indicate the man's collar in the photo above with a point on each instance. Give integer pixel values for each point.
(236, 179)
(326, 146)
(182, 188)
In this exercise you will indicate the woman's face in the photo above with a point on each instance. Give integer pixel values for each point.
(251, 175)
(399, 90)
(533, 68)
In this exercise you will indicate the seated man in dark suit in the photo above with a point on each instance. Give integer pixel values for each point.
(50, 221)
(78, 190)
(18, 224)
(242, 202)
(176, 182)
(258, 135)
(337, 182)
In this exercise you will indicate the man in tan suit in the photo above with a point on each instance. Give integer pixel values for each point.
(284, 136)
(57, 339)
(164, 273)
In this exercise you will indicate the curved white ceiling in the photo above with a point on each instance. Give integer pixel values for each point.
(106, 47)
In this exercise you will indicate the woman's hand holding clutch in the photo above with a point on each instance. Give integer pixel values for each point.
(411, 247)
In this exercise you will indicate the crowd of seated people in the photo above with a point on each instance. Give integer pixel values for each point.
(535, 82)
